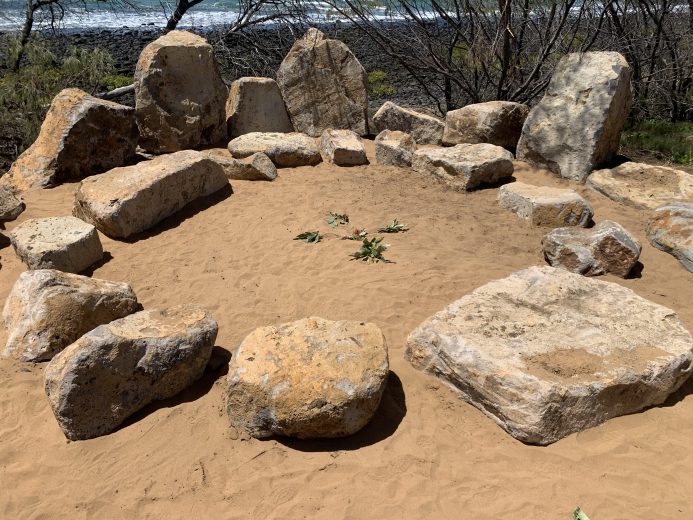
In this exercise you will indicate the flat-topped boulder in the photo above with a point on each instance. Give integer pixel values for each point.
(116, 369)
(671, 230)
(423, 128)
(132, 199)
(180, 97)
(343, 148)
(324, 86)
(394, 148)
(577, 124)
(545, 353)
(256, 167)
(546, 206)
(285, 150)
(10, 206)
(644, 186)
(494, 122)
(47, 310)
(68, 148)
(256, 105)
(605, 248)
(465, 166)
(307, 379)
(63, 243)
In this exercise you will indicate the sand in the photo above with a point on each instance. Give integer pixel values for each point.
(427, 454)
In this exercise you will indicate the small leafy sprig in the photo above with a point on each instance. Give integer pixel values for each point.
(394, 227)
(309, 237)
(336, 219)
(371, 251)
(357, 234)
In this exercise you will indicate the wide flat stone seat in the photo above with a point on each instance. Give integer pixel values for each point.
(545, 206)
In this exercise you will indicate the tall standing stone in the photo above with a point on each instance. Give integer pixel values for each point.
(324, 86)
(180, 97)
(578, 123)
(256, 105)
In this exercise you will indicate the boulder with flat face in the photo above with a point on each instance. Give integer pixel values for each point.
(545, 353)
(80, 136)
(10, 206)
(256, 167)
(671, 230)
(343, 148)
(256, 105)
(285, 150)
(424, 129)
(494, 122)
(545, 206)
(180, 97)
(394, 148)
(324, 86)
(577, 124)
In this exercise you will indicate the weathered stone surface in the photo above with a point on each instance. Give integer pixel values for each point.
(394, 148)
(285, 150)
(424, 129)
(64, 243)
(343, 148)
(180, 97)
(256, 167)
(465, 166)
(310, 378)
(47, 310)
(577, 125)
(606, 248)
(671, 230)
(545, 352)
(80, 136)
(116, 369)
(129, 200)
(10, 206)
(643, 186)
(324, 86)
(494, 122)
(545, 206)
(256, 105)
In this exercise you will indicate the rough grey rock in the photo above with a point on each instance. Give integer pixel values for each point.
(10, 206)
(671, 230)
(545, 206)
(285, 150)
(256, 105)
(394, 148)
(424, 129)
(256, 167)
(494, 122)
(343, 148)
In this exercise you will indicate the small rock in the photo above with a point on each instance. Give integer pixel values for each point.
(307, 379)
(671, 230)
(465, 166)
(343, 148)
(424, 129)
(116, 369)
(606, 248)
(256, 105)
(256, 167)
(10, 206)
(494, 122)
(285, 150)
(394, 148)
(64, 243)
(47, 310)
(545, 206)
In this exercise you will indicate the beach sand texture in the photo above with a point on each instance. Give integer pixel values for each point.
(427, 454)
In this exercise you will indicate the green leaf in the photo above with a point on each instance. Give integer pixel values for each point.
(578, 514)
(371, 251)
(335, 219)
(309, 237)
(395, 227)
(357, 234)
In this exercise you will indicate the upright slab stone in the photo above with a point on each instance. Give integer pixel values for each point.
(64, 243)
(465, 166)
(47, 310)
(545, 206)
(671, 230)
(80, 136)
(180, 97)
(307, 379)
(118, 368)
(256, 105)
(324, 86)
(424, 129)
(577, 125)
(494, 122)
(129, 200)
(343, 148)
(545, 352)
(644, 186)
(394, 148)
(285, 150)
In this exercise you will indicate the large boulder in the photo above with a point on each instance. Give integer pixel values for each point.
(256, 167)
(424, 129)
(394, 148)
(343, 148)
(324, 86)
(577, 124)
(495, 122)
(643, 186)
(546, 206)
(132, 199)
(606, 248)
(47, 310)
(10, 206)
(671, 230)
(256, 105)
(285, 150)
(465, 166)
(545, 352)
(64, 243)
(80, 136)
(180, 97)
(310, 378)
(116, 369)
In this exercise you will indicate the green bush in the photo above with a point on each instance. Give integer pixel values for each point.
(114, 81)
(673, 141)
(378, 84)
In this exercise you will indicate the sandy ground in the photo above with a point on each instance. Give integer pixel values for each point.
(427, 454)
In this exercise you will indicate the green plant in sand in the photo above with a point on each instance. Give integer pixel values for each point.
(394, 227)
(357, 234)
(371, 251)
(336, 219)
(309, 237)
(578, 514)
(378, 84)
